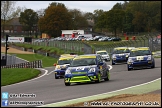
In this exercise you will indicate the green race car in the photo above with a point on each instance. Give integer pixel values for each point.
(86, 68)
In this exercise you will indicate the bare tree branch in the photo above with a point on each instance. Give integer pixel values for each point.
(7, 9)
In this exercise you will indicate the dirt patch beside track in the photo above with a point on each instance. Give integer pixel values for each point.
(149, 100)
(13, 50)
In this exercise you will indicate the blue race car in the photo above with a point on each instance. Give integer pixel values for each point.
(140, 58)
(120, 54)
(86, 68)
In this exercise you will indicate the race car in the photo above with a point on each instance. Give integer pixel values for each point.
(65, 55)
(104, 55)
(130, 48)
(86, 68)
(120, 54)
(140, 57)
(62, 64)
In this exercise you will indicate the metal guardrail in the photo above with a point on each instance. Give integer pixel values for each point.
(33, 64)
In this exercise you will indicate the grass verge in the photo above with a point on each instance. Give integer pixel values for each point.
(56, 50)
(157, 56)
(46, 61)
(15, 75)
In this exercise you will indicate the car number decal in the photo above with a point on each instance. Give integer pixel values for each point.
(121, 54)
(139, 57)
(80, 68)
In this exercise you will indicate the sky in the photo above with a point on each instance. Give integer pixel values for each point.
(84, 6)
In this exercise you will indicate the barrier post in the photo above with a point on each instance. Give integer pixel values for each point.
(126, 38)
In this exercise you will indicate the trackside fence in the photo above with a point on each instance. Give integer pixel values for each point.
(150, 40)
(33, 64)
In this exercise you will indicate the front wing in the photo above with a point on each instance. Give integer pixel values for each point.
(81, 78)
(141, 64)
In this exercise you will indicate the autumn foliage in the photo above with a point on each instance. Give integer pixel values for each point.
(55, 19)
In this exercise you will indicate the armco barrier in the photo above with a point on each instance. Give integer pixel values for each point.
(33, 64)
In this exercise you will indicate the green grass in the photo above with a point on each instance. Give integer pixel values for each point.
(157, 56)
(47, 61)
(111, 43)
(50, 49)
(15, 75)
(98, 43)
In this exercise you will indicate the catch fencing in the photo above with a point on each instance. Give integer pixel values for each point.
(33, 64)
(66, 45)
(148, 40)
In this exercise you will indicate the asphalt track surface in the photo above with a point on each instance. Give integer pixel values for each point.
(51, 90)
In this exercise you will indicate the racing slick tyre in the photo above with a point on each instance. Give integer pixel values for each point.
(67, 84)
(107, 60)
(99, 78)
(153, 66)
(108, 76)
(113, 63)
(56, 77)
(129, 69)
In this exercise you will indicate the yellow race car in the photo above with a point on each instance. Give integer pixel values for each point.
(62, 64)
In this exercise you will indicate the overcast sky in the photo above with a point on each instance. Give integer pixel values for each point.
(84, 6)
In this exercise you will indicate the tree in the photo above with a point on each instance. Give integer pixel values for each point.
(7, 12)
(57, 4)
(88, 15)
(127, 24)
(118, 6)
(29, 19)
(139, 21)
(90, 18)
(153, 17)
(157, 19)
(124, 5)
(17, 12)
(55, 19)
(101, 22)
(114, 20)
(79, 21)
(96, 14)
(40, 12)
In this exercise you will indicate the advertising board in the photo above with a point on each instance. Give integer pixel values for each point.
(15, 39)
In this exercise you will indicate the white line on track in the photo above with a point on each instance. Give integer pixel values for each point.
(110, 67)
(50, 72)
